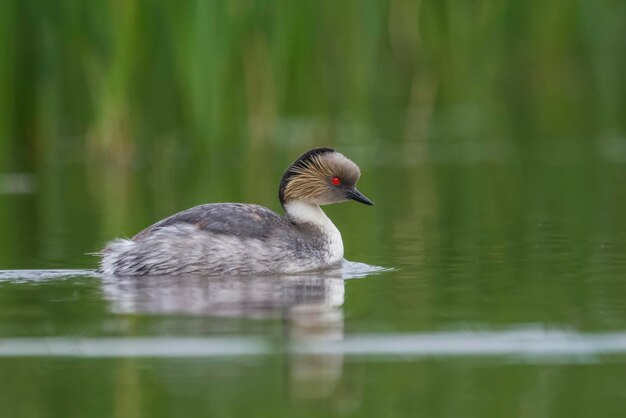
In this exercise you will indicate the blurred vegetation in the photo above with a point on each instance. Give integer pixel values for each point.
(491, 134)
(120, 79)
(126, 111)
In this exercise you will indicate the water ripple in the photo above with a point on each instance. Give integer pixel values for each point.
(533, 345)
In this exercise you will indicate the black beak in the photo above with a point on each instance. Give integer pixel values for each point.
(353, 194)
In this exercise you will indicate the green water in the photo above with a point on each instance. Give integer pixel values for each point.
(491, 136)
(477, 250)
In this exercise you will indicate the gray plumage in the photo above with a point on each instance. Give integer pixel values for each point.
(238, 219)
(235, 238)
(224, 238)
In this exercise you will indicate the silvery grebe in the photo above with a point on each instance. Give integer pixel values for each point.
(236, 238)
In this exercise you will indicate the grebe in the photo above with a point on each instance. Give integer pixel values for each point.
(236, 238)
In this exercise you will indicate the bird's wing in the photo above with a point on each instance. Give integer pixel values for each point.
(242, 220)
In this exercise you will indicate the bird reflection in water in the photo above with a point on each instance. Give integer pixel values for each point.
(310, 305)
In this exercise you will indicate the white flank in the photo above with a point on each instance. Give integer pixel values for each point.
(112, 252)
(302, 212)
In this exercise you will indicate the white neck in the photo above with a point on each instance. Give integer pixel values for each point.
(308, 213)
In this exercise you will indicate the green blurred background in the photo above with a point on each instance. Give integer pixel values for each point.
(490, 134)
(116, 113)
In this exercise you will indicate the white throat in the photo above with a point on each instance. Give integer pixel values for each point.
(308, 213)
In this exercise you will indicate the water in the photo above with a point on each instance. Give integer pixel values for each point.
(491, 136)
(500, 294)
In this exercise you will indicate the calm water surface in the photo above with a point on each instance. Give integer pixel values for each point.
(502, 294)
(491, 136)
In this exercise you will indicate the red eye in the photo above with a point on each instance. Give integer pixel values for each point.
(336, 181)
